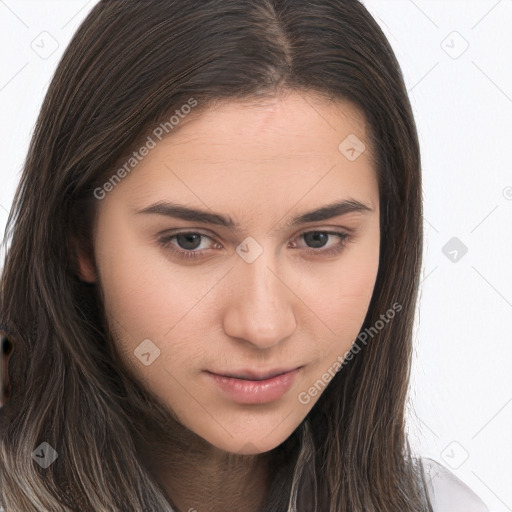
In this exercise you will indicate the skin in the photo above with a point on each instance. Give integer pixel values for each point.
(259, 165)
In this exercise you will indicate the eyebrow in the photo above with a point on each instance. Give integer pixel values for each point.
(183, 212)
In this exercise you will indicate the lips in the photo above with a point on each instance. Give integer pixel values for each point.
(255, 376)
(250, 387)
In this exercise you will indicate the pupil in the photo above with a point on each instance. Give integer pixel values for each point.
(189, 238)
(314, 238)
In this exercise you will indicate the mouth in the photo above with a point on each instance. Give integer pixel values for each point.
(249, 387)
(255, 376)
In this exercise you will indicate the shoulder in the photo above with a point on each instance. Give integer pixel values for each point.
(447, 492)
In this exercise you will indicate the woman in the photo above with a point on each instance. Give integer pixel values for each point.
(215, 257)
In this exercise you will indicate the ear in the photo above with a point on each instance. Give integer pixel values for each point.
(84, 263)
(86, 269)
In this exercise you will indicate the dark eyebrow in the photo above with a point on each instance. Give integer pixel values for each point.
(183, 212)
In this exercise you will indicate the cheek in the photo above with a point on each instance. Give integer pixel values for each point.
(340, 294)
(145, 296)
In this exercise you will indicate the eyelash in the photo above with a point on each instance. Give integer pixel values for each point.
(165, 242)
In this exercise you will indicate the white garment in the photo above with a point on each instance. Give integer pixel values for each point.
(447, 492)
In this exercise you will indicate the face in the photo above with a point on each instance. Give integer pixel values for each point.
(252, 287)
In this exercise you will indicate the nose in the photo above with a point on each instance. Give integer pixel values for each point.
(260, 309)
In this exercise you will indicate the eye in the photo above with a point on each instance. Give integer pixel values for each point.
(319, 238)
(187, 243)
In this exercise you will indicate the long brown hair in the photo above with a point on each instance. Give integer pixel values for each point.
(130, 65)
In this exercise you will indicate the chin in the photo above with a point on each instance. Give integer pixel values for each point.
(251, 443)
(247, 447)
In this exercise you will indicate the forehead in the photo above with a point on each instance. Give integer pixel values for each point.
(286, 149)
(283, 126)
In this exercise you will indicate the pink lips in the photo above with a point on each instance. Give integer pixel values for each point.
(257, 391)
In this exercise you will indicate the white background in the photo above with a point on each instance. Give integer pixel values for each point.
(461, 390)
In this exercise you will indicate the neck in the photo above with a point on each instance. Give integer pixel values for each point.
(217, 481)
(197, 476)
